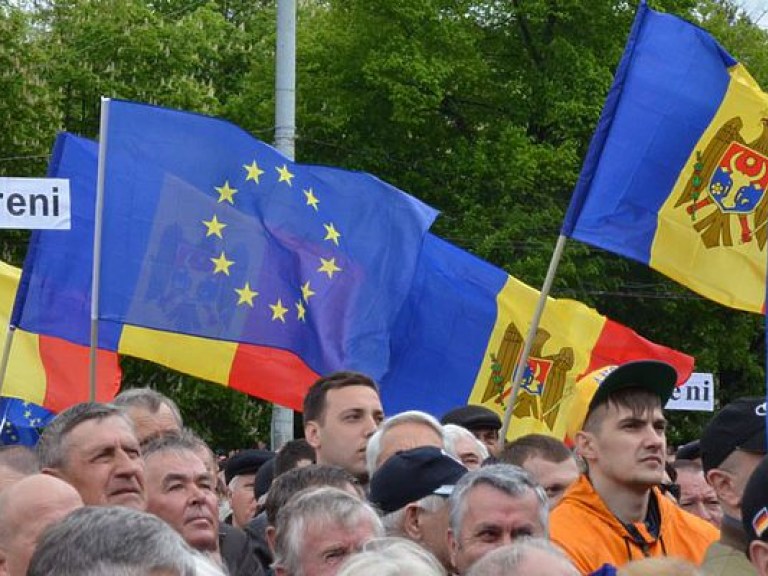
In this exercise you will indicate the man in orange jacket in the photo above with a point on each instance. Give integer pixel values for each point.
(615, 512)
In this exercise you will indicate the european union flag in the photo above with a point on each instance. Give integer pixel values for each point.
(210, 232)
(21, 422)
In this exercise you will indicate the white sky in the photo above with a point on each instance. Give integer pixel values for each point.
(757, 9)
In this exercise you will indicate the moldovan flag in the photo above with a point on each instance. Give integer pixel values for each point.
(49, 371)
(461, 333)
(223, 259)
(677, 170)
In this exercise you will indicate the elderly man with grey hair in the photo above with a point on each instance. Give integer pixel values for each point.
(319, 528)
(93, 447)
(525, 557)
(402, 431)
(152, 413)
(462, 445)
(411, 489)
(492, 507)
(94, 541)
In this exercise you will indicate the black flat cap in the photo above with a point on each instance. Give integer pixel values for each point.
(472, 417)
(246, 462)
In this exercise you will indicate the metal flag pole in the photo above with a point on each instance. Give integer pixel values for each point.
(6, 353)
(96, 276)
(519, 372)
(285, 142)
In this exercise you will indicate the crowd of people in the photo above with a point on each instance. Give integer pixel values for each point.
(126, 489)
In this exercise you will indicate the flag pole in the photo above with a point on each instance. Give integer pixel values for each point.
(522, 362)
(4, 419)
(96, 276)
(285, 142)
(6, 353)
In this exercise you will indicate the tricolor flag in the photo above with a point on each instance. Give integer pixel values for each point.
(46, 370)
(760, 522)
(461, 333)
(677, 171)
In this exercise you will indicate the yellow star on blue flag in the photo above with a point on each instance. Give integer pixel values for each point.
(21, 422)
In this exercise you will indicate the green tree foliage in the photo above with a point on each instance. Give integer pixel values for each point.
(483, 109)
(28, 108)
(183, 55)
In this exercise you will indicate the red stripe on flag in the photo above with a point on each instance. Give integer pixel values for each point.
(67, 373)
(272, 374)
(618, 344)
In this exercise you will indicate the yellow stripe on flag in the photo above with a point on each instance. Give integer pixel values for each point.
(555, 358)
(701, 241)
(203, 358)
(25, 377)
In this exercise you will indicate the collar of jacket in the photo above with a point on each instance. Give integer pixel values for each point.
(732, 533)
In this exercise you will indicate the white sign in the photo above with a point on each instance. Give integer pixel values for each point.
(35, 203)
(697, 393)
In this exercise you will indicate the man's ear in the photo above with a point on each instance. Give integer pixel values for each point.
(312, 433)
(453, 546)
(270, 534)
(411, 526)
(55, 472)
(758, 555)
(722, 484)
(585, 445)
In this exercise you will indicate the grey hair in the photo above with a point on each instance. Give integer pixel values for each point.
(234, 482)
(454, 432)
(393, 522)
(121, 539)
(373, 449)
(505, 561)
(392, 557)
(149, 399)
(325, 505)
(294, 481)
(103, 568)
(184, 441)
(509, 479)
(51, 449)
(202, 565)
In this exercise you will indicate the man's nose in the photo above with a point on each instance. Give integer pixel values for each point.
(196, 494)
(507, 538)
(654, 436)
(371, 425)
(129, 465)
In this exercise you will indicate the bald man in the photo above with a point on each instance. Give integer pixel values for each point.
(27, 508)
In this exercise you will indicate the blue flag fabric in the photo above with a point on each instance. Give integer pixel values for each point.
(54, 296)
(210, 232)
(20, 422)
(442, 334)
